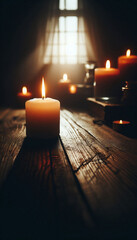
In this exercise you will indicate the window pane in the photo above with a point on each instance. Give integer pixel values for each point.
(71, 38)
(61, 4)
(71, 60)
(71, 24)
(71, 50)
(61, 38)
(62, 50)
(62, 24)
(71, 4)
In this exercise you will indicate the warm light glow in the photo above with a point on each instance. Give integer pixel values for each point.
(65, 77)
(105, 98)
(128, 52)
(73, 89)
(24, 90)
(43, 88)
(120, 121)
(107, 64)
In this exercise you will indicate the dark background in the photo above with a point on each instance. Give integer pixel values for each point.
(22, 31)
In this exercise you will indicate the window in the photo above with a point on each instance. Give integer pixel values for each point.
(66, 40)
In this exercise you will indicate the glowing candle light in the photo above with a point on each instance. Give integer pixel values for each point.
(24, 92)
(107, 84)
(72, 89)
(42, 116)
(127, 65)
(65, 79)
(122, 126)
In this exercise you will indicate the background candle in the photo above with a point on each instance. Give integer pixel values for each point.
(122, 126)
(72, 89)
(128, 67)
(42, 117)
(24, 94)
(23, 97)
(107, 82)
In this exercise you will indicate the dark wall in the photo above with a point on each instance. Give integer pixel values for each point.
(116, 27)
(22, 29)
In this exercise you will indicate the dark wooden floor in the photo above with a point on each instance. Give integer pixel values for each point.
(81, 186)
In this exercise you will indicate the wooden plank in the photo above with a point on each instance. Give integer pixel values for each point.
(110, 189)
(39, 194)
(12, 129)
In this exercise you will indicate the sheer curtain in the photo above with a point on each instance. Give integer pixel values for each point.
(70, 35)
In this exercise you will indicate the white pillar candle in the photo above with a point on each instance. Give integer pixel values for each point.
(42, 117)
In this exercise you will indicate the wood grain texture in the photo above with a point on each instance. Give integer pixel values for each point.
(39, 194)
(81, 186)
(107, 176)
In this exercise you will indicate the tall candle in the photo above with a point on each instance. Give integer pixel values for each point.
(107, 83)
(42, 116)
(127, 65)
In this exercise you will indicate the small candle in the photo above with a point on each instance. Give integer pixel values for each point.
(127, 65)
(121, 126)
(24, 93)
(65, 79)
(63, 87)
(107, 83)
(72, 89)
(42, 117)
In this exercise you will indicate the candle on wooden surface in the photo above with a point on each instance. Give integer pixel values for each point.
(107, 83)
(72, 89)
(127, 65)
(42, 117)
(122, 126)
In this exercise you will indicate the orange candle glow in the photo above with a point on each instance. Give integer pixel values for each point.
(72, 89)
(107, 82)
(65, 79)
(127, 65)
(24, 93)
(121, 126)
(42, 116)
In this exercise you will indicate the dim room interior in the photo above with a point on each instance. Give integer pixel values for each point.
(68, 119)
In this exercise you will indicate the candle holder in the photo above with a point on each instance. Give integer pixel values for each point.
(89, 68)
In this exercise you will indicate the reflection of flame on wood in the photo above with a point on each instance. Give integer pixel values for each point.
(72, 89)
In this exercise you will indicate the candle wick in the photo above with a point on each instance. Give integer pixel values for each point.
(42, 98)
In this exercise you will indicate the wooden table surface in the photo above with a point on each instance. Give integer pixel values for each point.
(81, 186)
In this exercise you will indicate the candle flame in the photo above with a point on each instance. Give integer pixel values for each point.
(128, 52)
(43, 88)
(108, 64)
(73, 89)
(24, 90)
(65, 77)
(120, 121)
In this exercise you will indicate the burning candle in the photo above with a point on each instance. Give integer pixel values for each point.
(24, 93)
(63, 87)
(128, 67)
(107, 83)
(65, 79)
(72, 89)
(23, 97)
(42, 116)
(122, 126)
